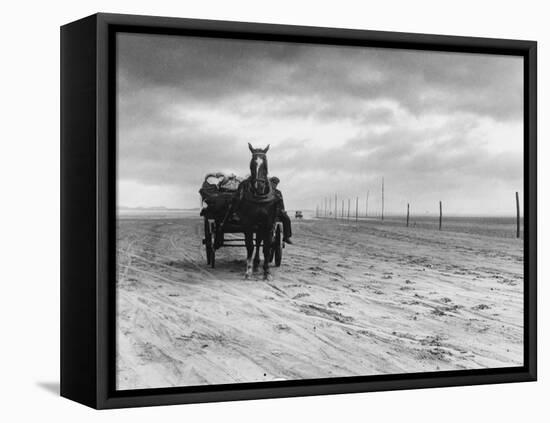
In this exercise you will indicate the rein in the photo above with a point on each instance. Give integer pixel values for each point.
(252, 196)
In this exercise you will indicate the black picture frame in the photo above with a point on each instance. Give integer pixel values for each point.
(88, 210)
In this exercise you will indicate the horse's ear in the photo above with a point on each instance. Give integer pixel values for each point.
(251, 148)
(267, 148)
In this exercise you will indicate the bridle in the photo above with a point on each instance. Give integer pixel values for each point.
(255, 177)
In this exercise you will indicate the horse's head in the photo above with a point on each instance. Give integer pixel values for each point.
(258, 169)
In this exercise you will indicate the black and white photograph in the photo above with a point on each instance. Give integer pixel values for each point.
(291, 211)
(296, 211)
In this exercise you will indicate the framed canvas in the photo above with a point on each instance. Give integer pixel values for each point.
(378, 188)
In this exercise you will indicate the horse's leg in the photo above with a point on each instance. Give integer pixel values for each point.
(257, 255)
(249, 241)
(267, 235)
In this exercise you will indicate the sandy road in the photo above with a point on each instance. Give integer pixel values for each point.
(348, 300)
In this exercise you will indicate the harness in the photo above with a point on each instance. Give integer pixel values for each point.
(247, 193)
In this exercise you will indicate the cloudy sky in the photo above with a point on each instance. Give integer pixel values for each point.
(436, 126)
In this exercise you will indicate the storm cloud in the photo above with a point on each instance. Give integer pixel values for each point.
(436, 126)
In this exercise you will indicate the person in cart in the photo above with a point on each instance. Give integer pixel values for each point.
(282, 214)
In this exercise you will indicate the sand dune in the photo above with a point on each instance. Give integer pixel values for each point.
(348, 300)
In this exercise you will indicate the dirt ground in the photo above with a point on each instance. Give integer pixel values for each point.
(349, 299)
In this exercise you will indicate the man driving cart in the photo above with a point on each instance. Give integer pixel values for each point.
(281, 212)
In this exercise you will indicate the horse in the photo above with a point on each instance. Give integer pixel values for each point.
(256, 207)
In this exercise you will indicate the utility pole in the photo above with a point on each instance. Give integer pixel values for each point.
(440, 215)
(517, 213)
(356, 209)
(382, 198)
(367, 205)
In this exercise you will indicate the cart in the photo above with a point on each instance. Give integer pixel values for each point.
(215, 236)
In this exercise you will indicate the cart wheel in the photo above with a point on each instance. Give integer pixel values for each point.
(207, 241)
(278, 246)
(271, 255)
(212, 260)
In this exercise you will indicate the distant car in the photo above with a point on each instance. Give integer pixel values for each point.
(298, 214)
